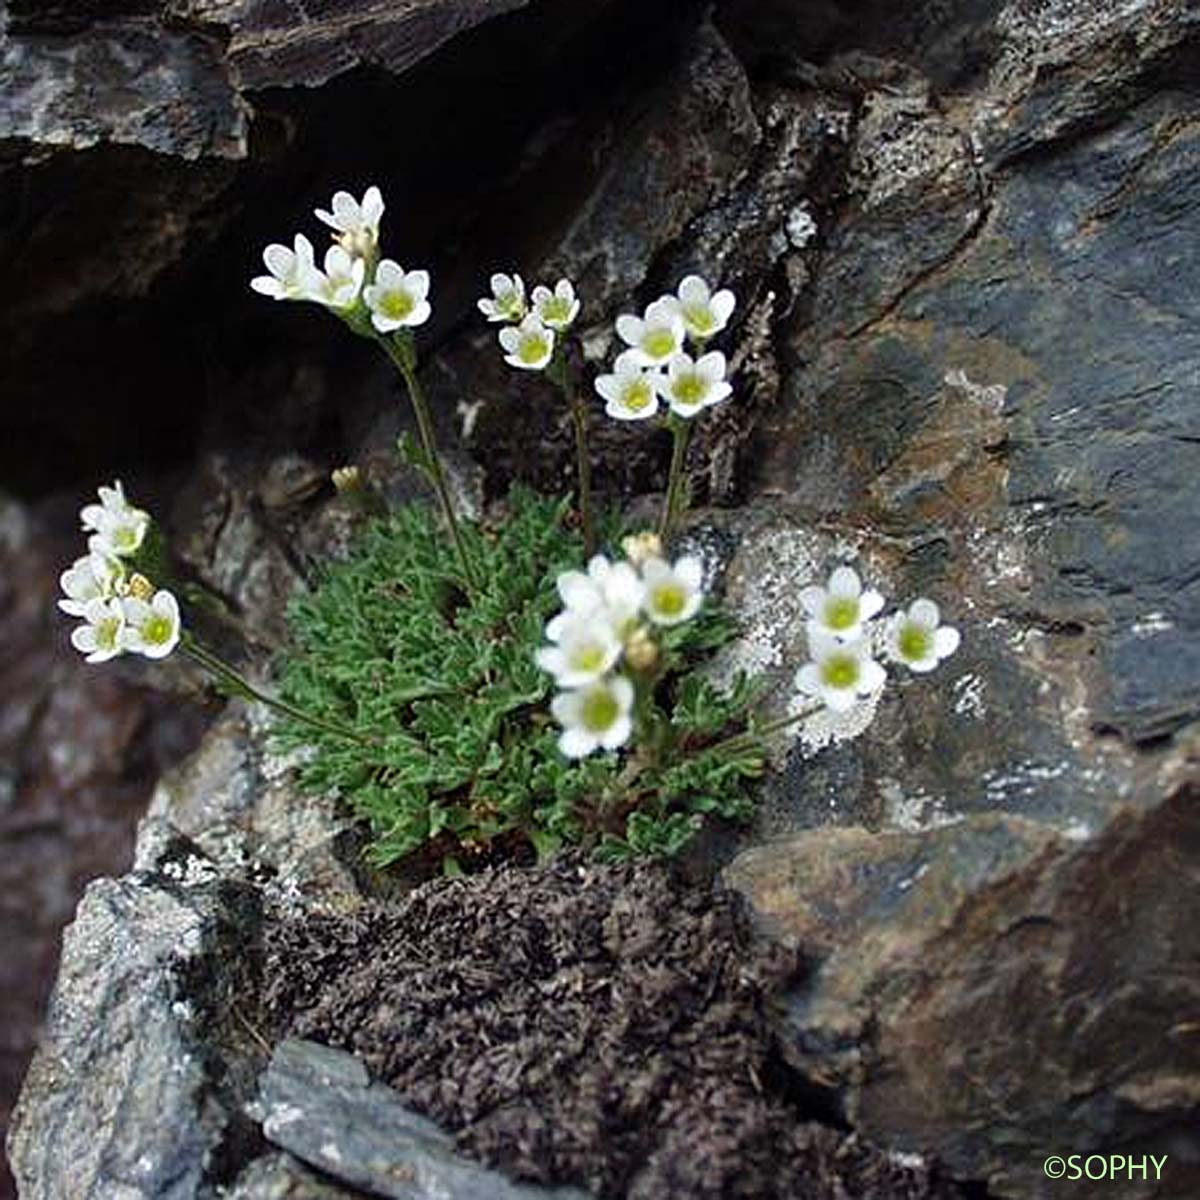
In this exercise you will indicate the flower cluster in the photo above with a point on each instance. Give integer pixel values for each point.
(844, 637)
(122, 611)
(354, 280)
(608, 620)
(656, 366)
(529, 332)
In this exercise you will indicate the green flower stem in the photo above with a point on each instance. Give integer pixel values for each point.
(241, 686)
(560, 371)
(402, 351)
(682, 429)
(754, 737)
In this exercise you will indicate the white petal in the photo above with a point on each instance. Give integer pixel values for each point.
(564, 708)
(869, 604)
(622, 691)
(510, 338)
(722, 306)
(577, 743)
(946, 640)
(690, 571)
(844, 584)
(822, 644)
(924, 612)
(630, 328)
(665, 311)
(279, 260)
(813, 600)
(711, 365)
(693, 290)
(808, 680)
(718, 393)
(372, 205)
(541, 294)
(617, 734)
(840, 700)
(83, 638)
(610, 387)
(268, 285)
(872, 678)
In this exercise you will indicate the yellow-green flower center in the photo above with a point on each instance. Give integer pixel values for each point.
(840, 671)
(599, 711)
(669, 600)
(107, 632)
(157, 629)
(511, 305)
(841, 612)
(126, 538)
(533, 349)
(638, 395)
(700, 319)
(690, 389)
(658, 343)
(915, 642)
(556, 308)
(588, 658)
(397, 305)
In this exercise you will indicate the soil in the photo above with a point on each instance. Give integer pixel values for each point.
(605, 1026)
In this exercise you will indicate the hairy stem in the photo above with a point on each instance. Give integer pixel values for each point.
(754, 737)
(239, 684)
(402, 352)
(560, 371)
(670, 510)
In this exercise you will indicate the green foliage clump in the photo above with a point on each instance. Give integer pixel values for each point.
(459, 755)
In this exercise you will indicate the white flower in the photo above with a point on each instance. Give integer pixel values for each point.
(690, 385)
(594, 716)
(357, 224)
(103, 636)
(673, 593)
(630, 392)
(656, 335)
(292, 271)
(704, 314)
(840, 672)
(613, 589)
(916, 639)
(119, 527)
(841, 608)
(152, 628)
(528, 345)
(587, 648)
(397, 298)
(558, 308)
(339, 284)
(93, 577)
(507, 301)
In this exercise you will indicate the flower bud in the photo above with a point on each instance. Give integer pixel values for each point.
(641, 650)
(640, 547)
(139, 587)
(347, 479)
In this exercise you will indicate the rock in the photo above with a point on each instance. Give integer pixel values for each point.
(127, 1096)
(694, 141)
(320, 1104)
(1055, 978)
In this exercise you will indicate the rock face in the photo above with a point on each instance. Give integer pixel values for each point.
(963, 239)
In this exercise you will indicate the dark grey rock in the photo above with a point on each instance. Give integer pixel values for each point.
(130, 82)
(691, 142)
(993, 994)
(125, 1097)
(321, 1105)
